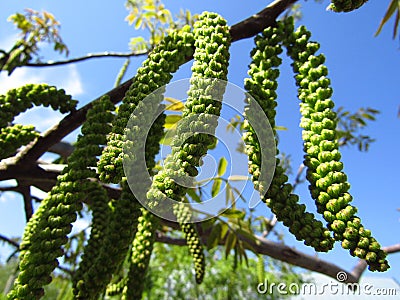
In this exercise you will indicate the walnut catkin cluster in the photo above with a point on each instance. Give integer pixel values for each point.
(122, 230)
(127, 215)
(262, 86)
(46, 232)
(327, 182)
(154, 73)
(200, 114)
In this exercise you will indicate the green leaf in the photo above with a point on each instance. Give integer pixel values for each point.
(138, 43)
(214, 237)
(216, 187)
(148, 7)
(224, 230)
(395, 4)
(242, 253)
(222, 164)
(229, 194)
(238, 178)
(396, 23)
(230, 243)
(171, 120)
(368, 116)
(192, 193)
(280, 128)
(175, 105)
(233, 214)
(139, 22)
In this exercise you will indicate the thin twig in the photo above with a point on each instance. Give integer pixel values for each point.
(9, 241)
(87, 57)
(286, 254)
(298, 179)
(271, 225)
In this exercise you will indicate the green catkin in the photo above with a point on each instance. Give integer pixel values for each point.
(15, 136)
(260, 269)
(262, 86)
(144, 239)
(117, 288)
(184, 216)
(345, 5)
(154, 73)
(47, 230)
(122, 72)
(115, 246)
(327, 182)
(142, 248)
(203, 105)
(100, 219)
(18, 100)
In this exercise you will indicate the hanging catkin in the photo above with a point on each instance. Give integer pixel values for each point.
(46, 232)
(155, 72)
(327, 182)
(262, 86)
(200, 114)
(97, 196)
(142, 247)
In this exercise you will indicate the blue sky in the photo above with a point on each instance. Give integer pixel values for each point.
(363, 69)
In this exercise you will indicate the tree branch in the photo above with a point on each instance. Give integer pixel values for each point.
(9, 241)
(63, 149)
(87, 57)
(287, 254)
(25, 190)
(261, 20)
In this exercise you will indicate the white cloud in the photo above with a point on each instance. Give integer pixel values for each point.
(42, 118)
(72, 84)
(19, 77)
(9, 197)
(67, 78)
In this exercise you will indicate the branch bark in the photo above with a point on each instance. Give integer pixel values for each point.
(25, 190)
(9, 241)
(290, 255)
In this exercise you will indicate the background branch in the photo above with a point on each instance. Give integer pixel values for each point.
(25, 190)
(9, 241)
(290, 255)
(87, 57)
